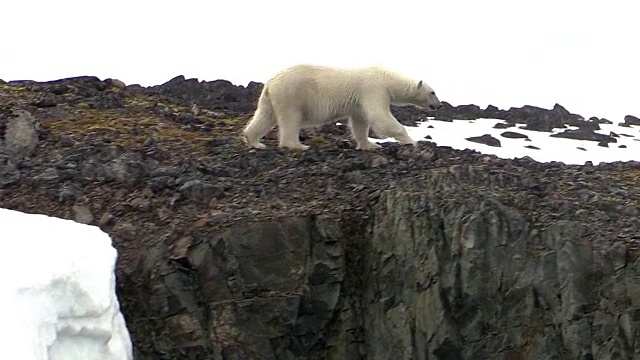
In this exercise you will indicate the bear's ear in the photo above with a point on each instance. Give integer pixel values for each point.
(419, 84)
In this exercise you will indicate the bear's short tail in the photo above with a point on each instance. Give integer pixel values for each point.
(263, 120)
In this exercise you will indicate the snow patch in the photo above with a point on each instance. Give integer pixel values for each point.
(58, 291)
(454, 134)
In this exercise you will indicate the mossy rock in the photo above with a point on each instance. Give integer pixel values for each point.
(318, 140)
(11, 88)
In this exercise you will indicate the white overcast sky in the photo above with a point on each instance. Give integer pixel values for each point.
(584, 55)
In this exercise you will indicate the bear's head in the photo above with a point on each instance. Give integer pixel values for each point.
(425, 97)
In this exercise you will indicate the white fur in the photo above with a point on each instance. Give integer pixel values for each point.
(304, 96)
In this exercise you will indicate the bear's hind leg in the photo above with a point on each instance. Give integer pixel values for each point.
(360, 131)
(289, 126)
(262, 122)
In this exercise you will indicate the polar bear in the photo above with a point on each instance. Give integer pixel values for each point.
(306, 95)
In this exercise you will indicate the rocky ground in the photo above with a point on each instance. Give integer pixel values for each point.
(162, 170)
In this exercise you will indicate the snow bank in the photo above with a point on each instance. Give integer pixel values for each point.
(58, 291)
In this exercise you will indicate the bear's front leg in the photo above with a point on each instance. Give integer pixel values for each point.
(386, 125)
(398, 131)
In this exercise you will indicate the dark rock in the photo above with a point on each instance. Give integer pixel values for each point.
(197, 190)
(173, 171)
(48, 175)
(67, 141)
(46, 100)
(600, 121)
(539, 119)
(623, 146)
(61, 89)
(106, 100)
(9, 174)
(587, 125)
(631, 120)
(492, 112)
(513, 135)
(469, 112)
(81, 86)
(444, 113)
(573, 119)
(535, 118)
(377, 160)
(485, 139)
(503, 125)
(212, 95)
(584, 134)
(69, 193)
(532, 147)
(159, 183)
(409, 115)
(127, 169)
(462, 112)
(125, 230)
(603, 144)
(581, 148)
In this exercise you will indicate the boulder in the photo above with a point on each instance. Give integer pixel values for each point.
(485, 139)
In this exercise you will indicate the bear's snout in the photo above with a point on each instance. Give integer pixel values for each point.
(435, 107)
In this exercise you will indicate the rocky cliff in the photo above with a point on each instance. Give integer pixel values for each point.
(401, 253)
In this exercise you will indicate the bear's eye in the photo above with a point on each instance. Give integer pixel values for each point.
(433, 93)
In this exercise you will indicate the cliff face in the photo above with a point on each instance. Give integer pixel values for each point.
(403, 253)
(281, 289)
(476, 277)
(478, 266)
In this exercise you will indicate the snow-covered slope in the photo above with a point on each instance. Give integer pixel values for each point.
(58, 291)
(538, 145)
